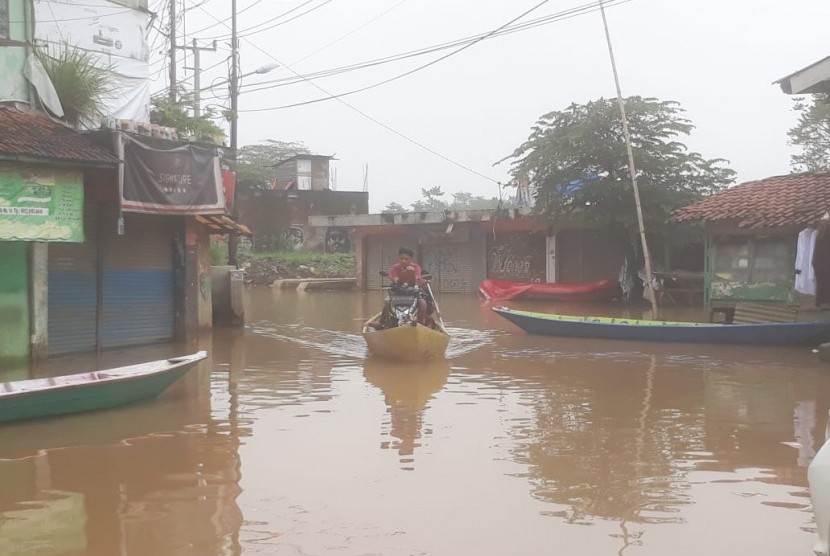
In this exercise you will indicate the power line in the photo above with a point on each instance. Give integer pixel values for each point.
(224, 21)
(570, 13)
(387, 127)
(250, 30)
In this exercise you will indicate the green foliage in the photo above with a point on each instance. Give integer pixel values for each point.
(81, 85)
(218, 254)
(177, 114)
(255, 163)
(811, 134)
(576, 162)
(433, 202)
(291, 263)
(394, 207)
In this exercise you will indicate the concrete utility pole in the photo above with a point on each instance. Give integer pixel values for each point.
(197, 70)
(173, 51)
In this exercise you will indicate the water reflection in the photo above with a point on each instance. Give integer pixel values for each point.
(159, 477)
(407, 390)
(512, 445)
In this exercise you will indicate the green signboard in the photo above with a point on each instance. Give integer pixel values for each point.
(38, 204)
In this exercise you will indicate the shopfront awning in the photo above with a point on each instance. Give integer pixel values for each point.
(219, 224)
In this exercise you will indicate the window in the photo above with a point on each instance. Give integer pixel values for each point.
(755, 260)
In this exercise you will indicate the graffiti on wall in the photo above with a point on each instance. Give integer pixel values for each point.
(517, 257)
(293, 238)
(337, 241)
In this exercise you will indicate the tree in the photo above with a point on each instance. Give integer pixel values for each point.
(576, 162)
(81, 85)
(176, 114)
(394, 207)
(255, 163)
(432, 202)
(811, 134)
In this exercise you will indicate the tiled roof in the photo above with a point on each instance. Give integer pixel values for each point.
(36, 136)
(791, 200)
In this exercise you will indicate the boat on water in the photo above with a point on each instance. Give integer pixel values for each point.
(616, 328)
(410, 342)
(43, 397)
(599, 290)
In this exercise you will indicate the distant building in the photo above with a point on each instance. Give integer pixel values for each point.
(304, 172)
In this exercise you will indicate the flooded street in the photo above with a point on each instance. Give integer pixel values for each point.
(288, 440)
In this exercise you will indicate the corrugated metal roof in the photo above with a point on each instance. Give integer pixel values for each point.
(790, 200)
(30, 135)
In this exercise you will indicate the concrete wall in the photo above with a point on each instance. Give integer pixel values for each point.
(279, 219)
(13, 86)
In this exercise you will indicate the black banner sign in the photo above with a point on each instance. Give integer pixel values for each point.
(180, 180)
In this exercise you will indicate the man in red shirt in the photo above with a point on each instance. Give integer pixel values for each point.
(407, 271)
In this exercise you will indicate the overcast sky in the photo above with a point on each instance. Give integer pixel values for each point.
(718, 59)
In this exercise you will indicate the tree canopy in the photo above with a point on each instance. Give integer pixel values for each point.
(811, 134)
(575, 161)
(255, 163)
(432, 200)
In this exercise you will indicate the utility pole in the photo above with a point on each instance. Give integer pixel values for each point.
(197, 70)
(631, 169)
(233, 238)
(173, 51)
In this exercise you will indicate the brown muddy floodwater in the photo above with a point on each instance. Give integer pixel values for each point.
(289, 441)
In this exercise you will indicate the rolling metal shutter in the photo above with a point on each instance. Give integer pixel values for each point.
(381, 254)
(449, 266)
(73, 292)
(138, 298)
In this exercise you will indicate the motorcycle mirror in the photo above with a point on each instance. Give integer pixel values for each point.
(426, 276)
(383, 273)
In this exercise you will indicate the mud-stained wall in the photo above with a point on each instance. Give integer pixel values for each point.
(279, 219)
(517, 256)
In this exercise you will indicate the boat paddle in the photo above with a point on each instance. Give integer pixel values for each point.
(437, 310)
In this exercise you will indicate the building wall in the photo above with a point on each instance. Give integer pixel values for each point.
(588, 255)
(742, 267)
(14, 303)
(517, 256)
(13, 86)
(279, 219)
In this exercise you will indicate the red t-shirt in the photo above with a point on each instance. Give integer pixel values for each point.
(409, 274)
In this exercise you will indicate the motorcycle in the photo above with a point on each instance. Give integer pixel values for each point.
(400, 307)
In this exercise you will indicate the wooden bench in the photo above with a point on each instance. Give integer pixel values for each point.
(755, 313)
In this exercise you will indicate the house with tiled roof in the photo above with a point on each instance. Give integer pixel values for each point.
(752, 232)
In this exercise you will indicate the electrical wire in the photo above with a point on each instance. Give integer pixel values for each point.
(552, 18)
(224, 21)
(388, 127)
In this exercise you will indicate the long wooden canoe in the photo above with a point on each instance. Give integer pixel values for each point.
(42, 397)
(615, 328)
(406, 343)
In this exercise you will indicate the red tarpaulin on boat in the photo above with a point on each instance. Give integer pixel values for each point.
(601, 290)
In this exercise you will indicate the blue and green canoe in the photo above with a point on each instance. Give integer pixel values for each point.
(616, 328)
(43, 397)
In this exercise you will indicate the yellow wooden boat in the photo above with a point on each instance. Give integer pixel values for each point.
(406, 343)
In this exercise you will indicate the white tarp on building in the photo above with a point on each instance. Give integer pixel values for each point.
(116, 33)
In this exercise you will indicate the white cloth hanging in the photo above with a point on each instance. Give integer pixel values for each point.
(805, 277)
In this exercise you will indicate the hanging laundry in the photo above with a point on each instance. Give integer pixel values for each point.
(805, 277)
